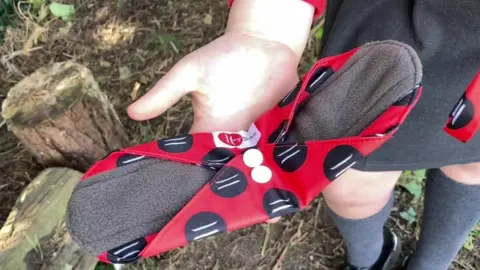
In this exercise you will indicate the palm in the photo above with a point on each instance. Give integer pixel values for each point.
(233, 79)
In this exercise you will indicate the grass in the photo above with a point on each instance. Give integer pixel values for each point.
(7, 16)
(472, 239)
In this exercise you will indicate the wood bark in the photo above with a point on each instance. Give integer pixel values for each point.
(34, 236)
(60, 114)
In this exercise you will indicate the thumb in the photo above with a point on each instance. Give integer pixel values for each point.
(180, 80)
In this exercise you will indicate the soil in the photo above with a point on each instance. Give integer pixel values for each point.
(129, 45)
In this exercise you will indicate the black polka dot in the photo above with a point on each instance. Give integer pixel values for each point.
(290, 156)
(178, 144)
(279, 202)
(318, 77)
(203, 225)
(462, 114)
(279, 133)
(408, 99)
(127, 253)
(339, 160)
(290, 97)
(217, 157)
(231, 183)
(128, 159)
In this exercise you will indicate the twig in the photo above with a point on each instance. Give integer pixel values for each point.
(324, 256)
(337, 247)
(265, 240)
(326, 229)
(317, 26)
(317, 212)
(181, 124)
(293, 239)
(167, 126)
(12, 68)
(174, 47)
(35, 245)
(466, 266)
(278, 264)
(7, 57)
(321, 264)
(3, 123)
(399, 226)
(233, 250)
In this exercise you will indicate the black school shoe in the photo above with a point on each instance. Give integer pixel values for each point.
(390, 252)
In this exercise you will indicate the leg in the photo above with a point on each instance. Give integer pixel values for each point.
(452, 210)
(360, 203)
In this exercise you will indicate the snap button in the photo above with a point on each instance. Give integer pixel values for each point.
(253, 158)
(261, 174)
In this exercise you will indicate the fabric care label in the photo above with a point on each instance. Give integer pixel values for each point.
(241, 139)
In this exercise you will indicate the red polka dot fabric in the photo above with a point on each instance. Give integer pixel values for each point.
(464, 119)
(283, 179)
(239, 198)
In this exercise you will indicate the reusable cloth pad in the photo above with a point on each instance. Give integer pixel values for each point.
(362, 96)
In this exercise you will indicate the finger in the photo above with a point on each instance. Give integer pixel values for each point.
(273, 220)
(180, 80)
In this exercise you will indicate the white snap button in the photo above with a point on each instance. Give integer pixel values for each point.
(261, 174)
(253, 158)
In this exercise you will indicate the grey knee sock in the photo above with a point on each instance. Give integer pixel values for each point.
(363, 237)
(451, 211)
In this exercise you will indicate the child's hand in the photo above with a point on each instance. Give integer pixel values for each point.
(233, 80)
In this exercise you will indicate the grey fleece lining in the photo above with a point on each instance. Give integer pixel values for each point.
(363, 89)
(133, 201)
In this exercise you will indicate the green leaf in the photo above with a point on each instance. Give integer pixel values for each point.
(36, 4)
(414, 189)
(165, 39)
(319, 33)
(410, 215)
(412, 181)
(470, 242)
(420, 174)
(63, 11)
(103, 266)
(412, 212)
(167, 42)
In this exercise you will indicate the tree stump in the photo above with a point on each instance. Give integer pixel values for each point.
(60, 114)
(34, 235)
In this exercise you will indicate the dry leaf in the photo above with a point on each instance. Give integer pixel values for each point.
(43, 12)
(143, 79)
(124, 73)
(63, 31)
(134, 94)
(33, 38)
(104, 63)
(208, 19)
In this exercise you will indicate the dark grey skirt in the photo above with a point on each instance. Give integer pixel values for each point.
(446, 36)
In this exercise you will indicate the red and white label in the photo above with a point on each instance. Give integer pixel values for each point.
(241, 139)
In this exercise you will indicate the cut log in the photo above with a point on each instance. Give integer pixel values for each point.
(34, 235)
(60, 114)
